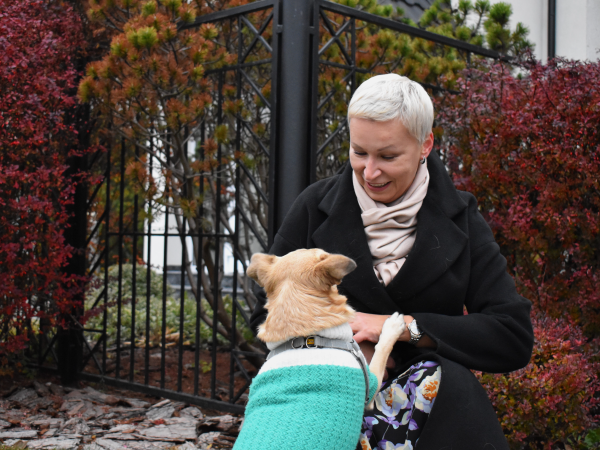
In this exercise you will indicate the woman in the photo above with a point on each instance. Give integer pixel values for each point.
(421, 248)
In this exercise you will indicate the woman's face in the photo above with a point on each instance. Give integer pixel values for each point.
(385, 157)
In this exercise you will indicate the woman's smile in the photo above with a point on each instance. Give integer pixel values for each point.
(377, 187)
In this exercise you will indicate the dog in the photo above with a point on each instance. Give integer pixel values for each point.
(310, 398)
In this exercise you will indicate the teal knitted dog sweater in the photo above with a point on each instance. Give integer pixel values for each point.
(306, 407)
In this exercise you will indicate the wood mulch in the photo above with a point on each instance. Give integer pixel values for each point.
(42, 414)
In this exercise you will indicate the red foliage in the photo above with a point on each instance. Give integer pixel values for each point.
(528, 148)
(549, 401)
(39, 41)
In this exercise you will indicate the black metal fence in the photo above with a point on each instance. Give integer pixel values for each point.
(169, 304)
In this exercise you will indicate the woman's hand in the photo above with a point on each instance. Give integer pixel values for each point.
(367, 327)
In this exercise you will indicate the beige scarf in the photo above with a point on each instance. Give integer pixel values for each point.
(391, 229)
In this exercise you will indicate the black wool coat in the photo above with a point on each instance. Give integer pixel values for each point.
(455, 264)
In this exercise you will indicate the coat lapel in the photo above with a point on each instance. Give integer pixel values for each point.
(438, 244)
(343, 232)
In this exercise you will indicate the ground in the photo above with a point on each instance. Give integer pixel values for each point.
(41, 414)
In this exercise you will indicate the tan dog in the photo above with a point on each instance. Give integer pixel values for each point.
(303, 300)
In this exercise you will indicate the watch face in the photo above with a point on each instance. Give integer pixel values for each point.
(413, 327)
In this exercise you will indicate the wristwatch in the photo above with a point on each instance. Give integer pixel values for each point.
(415, 333)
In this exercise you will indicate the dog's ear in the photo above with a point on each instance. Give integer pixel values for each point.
(259, 267)
(335, 267)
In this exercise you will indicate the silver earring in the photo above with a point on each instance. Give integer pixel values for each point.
(423, 160)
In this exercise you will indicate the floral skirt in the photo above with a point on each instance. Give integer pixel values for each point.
(401, 409)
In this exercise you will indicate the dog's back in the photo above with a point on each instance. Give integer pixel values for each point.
(305, 400)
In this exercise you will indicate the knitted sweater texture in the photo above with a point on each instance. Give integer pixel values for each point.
(306, 399)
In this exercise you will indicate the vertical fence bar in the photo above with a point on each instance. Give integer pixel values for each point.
(217, 228)
(551, 29)
(185, 257)
(106, 260)
(274, 123)
(314, 92)
(199, 267)
(120, 243)
(292, 107)
(234, 291)
(133, 279)
(353, 56)
(181, 300)
(163, 330)
(70, 340)
(235, 237)
(148, 284)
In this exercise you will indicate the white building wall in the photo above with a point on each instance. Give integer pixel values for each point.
(593, 30)
(534, 15)
(571, 25)
(577, 26)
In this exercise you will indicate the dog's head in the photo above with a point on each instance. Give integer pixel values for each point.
(311, 269)
(301, 292)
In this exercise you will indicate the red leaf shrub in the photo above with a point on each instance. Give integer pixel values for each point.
(549, 401)
(528, 148)
(39, 40)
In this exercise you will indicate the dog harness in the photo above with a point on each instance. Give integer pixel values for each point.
(310, 398)
(323, 342)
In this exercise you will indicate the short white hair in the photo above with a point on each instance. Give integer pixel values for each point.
(391, 96)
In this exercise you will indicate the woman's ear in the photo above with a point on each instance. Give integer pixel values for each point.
(260, 266)
(335, 267)
(427, 146)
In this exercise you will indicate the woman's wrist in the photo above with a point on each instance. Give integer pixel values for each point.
(424, 341)
(367, 327)
(405, 336)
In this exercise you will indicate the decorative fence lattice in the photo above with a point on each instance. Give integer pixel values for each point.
(165, 265)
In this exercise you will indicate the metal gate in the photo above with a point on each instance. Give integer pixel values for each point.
(169, 304)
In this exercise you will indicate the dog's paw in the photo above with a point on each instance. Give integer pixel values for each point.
(393, 327)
